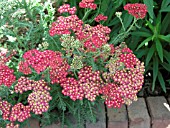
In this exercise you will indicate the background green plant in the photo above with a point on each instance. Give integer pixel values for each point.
(152, 43)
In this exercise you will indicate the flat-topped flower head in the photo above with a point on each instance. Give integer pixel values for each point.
(100, 17)
(19, 113)
(137, 10)
(7, 76)
(12, 125)
(66, 8)
(88, 4)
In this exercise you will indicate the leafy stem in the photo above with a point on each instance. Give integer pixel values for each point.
(123, 35)
(86, 14)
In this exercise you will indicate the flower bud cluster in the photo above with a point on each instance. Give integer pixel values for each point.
(88, 4)
(94, 37)
(87, 85)
(66, 8)
(76, 63)
(39, 101)
(12, 125)
(5, 108)
(64, 25)
(43, 46)
(118, 14)
(19, 113)
(69, 42)
(137, 10)
(126, 73)
(100, 17)
(24, 84)
(7, 76)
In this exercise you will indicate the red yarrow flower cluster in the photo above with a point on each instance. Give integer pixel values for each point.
(64, 25)
(24, 84)
(12, 125)
(126, 72)
(100, 17)
(66, 8)
(137, 10)
(87, 85)
(39, 101)
(95, 37)
(5, 107)
(40, 61)
(7, 76)
(88, 4)
(19, 113)
(111, 95)
(128, 59)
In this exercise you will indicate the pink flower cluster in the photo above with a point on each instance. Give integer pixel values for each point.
(95, 37)
(7, 76)
(137, 10)
(128, 58)
(100, 17)
(88, 4)
(19, 112)
(87, 85)
(64, 25)
(126, 72)
(111, 95)
(40, 61)
(5, 108)
(24, 84)
(59, 74)
(39, 99)
(66, 8)
(12, 125)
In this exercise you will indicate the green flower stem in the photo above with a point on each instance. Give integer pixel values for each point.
(86, 14)
(130, 28)
(122, 35)
(122, 24)
(75, 74)
(79, 52)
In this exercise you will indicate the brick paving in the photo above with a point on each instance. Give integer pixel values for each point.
(144, 113)
(138, 114)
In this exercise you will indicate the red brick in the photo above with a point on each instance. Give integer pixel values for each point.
(101, 119)
(32, 123)
(159, 113)
(138, 114)
(117, 118)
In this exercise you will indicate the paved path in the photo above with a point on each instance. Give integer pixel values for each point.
(144, 113)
